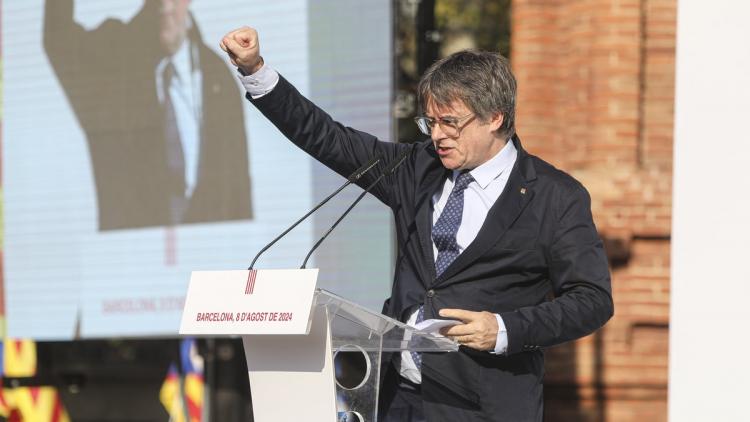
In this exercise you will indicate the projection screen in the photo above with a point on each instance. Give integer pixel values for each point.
(106, 214)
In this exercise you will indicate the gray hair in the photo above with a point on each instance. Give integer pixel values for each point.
(480, 79)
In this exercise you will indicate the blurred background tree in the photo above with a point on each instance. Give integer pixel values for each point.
(479, 24)
(427, 30)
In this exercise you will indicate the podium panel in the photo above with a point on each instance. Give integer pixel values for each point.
(328, 371)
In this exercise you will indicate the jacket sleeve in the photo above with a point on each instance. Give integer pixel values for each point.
(579, 273)
(340, 148)
(65, 43)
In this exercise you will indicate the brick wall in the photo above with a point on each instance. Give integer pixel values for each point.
(596, 91)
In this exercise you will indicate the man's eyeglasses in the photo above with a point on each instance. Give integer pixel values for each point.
(449, 124)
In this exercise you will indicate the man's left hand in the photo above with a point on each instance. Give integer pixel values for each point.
(478, 331)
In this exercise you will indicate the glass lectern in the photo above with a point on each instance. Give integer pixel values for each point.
(311, 355)
(359, 337)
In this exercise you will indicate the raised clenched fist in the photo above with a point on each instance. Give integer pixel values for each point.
(243, 49)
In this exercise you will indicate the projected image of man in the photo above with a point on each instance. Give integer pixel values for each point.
(164, 127)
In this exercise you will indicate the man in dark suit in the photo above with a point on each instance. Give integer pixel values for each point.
(165, 132)
(487, 234)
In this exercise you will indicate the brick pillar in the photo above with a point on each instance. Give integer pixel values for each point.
(596, 93)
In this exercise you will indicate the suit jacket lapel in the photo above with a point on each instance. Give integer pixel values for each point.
(517, 194)
(427, 188)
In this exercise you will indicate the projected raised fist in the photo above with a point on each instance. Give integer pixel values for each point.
(243, 49)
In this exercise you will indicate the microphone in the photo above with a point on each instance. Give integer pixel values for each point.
(387, 172)
(349, 180)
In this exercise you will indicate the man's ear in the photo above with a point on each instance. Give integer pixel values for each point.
(496, 121)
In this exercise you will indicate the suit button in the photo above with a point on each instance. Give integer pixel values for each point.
(430, 293)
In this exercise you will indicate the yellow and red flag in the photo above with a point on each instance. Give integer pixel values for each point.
(33, 404)
(19, 358)
(182, 390)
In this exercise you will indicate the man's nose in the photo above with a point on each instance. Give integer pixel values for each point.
(436, 132)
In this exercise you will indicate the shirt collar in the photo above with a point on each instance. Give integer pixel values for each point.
(495, 166)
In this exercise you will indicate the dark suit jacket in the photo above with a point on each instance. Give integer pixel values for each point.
(538, 242)
(108, 75)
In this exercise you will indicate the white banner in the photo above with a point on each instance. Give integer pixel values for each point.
(249, 302)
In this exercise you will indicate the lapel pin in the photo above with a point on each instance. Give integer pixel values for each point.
(523, 191)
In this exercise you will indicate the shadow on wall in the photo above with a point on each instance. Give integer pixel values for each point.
(574, 379)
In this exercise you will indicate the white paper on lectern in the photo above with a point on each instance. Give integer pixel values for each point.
(249, 302)
(433, 326)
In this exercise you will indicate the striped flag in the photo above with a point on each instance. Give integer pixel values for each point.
(33, 404)
(192, 367)
(171, 397)
(19, 358)
(5, 408)
(182, 392)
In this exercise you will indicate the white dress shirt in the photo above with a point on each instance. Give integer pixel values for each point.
(187, 100)
(480, 195)
(261, 82)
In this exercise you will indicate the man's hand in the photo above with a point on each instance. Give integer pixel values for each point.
(243, 49)
(478, 331)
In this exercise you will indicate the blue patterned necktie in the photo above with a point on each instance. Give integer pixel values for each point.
(445, 229)
(444, 236)
(175, 153)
